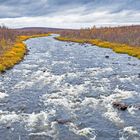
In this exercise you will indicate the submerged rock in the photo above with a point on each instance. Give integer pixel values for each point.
(62, 121)
(27, 52)
(8, 126)
(106, 56)
(123, 107)
(131, 64)
(120, 106)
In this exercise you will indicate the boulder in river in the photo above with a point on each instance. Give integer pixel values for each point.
(139, 75)
(8, 126)
(120, 106)
(106, 56)
(62, 121)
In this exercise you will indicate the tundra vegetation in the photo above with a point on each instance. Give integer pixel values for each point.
(12, 47)
(125, 39)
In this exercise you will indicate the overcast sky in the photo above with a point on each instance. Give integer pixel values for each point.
(68, 13)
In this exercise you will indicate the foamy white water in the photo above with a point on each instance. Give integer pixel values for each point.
(66, 90)
(3, 95)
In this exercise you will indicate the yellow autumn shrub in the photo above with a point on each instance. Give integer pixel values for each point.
(16, 53)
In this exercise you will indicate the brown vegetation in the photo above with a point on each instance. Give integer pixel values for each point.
(12, 48)
(129, 35)
(124, 39)
(7, 38)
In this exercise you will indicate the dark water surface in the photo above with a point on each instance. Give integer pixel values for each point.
(64, 91)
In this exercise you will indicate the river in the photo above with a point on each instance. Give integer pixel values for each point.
(65, 91)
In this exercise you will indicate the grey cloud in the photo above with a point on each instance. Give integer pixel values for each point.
(36, 7)
(52, 12)
(32, 8)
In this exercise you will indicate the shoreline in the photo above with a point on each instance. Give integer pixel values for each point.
(16, 54)
(116, 47)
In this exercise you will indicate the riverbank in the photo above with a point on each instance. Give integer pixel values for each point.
(16, 53)
(116, 47)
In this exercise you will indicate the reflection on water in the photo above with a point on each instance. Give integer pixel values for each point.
(65, 91)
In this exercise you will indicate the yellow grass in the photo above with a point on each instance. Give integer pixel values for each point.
(16, 53)
(116, 47)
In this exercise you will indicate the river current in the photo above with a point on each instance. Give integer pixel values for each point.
(65, 91)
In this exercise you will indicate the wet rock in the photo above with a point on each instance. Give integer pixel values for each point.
(55, 91)
(62, 121)
(22, 108)
(68, 85)
(134, 64)
(106, 56)
(78, 100)
(138, 107)
(8, 126)
(2, 72)
(131, 64)
(55, 97)
(120, 106)
(2, 90)
(115, 63)
(27, 52)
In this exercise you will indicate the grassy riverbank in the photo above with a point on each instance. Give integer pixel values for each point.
(121, 39)
(116, 47)
(15, 53)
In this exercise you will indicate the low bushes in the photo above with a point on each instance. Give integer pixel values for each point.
(15, 54)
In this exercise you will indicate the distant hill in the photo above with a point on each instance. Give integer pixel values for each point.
(40, 29)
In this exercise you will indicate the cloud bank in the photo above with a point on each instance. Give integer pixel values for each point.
(69, 14)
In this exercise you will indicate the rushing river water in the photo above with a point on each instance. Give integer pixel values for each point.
(65, 91)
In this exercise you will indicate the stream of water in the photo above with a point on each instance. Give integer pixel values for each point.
(65, 91)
